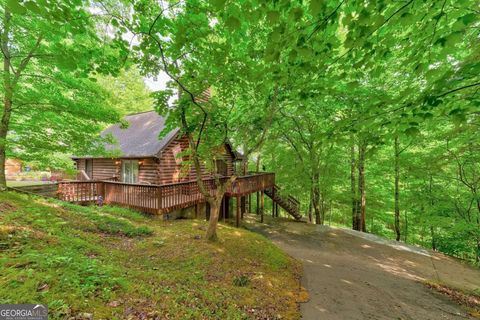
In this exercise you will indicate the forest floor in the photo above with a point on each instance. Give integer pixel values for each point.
(352, 275)
(113, 263)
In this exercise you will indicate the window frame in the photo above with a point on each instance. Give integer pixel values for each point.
(133, 174)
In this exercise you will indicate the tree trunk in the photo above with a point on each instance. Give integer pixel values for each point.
(243, 205)
(432, 234)
(361, 188)
(397, 189)
(477, 258)
(310, 207)
(316, 199)
(262, 208)
(323, 209)
(353, 188)
(221, 187)
(432, 202)
(211, 233)
(7, 100)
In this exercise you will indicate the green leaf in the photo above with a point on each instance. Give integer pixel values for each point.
(32, 6)
(315, 7)
(469, 18)
(232, 23)
(296, 14)
(273, 16)
(15, 7)
(412, 131)
(218, 4)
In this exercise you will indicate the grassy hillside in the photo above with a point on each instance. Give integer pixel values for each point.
(115, 263)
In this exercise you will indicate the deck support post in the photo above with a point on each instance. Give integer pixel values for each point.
(273, 202)
(249, 203)
(258, 203)
(196, 210)
(261, 206)
(227, 207)
(276, 210)
(238, 212)
(223, 208)
(159, 200)
(243, 205)
(207, 211)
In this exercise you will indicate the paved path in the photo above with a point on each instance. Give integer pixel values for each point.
(355, 276)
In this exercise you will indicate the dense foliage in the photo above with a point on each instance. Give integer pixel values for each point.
(372, 122)
(127, 91)
(368, 111)
(52, 105)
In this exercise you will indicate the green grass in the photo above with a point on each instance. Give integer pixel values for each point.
(25, 183)
(117, 263)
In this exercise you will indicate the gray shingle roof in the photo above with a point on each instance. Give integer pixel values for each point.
(141, 137)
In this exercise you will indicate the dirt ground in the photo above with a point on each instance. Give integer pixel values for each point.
(350, 275)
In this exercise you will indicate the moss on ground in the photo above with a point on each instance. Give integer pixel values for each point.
(116, 263)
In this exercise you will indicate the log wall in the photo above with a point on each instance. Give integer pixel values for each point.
(166, 169)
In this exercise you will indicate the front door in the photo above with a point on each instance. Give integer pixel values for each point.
(130, 171)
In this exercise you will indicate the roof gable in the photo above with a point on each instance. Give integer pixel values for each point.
(141, 137)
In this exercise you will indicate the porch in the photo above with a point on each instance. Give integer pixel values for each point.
(158, 199)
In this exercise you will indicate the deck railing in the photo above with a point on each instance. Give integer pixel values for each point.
(157, 198)
(79, 191)
(247, 184)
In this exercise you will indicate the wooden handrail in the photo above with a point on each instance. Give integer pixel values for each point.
(294, 199)
(158, 198)
(79, 181)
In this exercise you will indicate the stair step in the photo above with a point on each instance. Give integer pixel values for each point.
(284, 204)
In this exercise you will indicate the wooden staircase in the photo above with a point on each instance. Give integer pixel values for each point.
(288, 203)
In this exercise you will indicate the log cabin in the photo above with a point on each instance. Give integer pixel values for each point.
(150, 174)
(144, 158)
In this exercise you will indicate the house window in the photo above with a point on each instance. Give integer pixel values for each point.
(176, 154)
(222, 168)
(130, 171)
(89, 168)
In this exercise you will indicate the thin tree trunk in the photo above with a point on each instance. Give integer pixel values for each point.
(397, 189)
(432, 234)
(361, 188)
(310, 207)
(316, 199)
(353, 187)
(331, 212)
(10, 81)
(432, 202)
(323, 209)
(7, 100)
(477, 257)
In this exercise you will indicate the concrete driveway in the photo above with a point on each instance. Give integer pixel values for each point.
(350, 275)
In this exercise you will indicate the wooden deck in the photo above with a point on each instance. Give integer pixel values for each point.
(157, 198)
